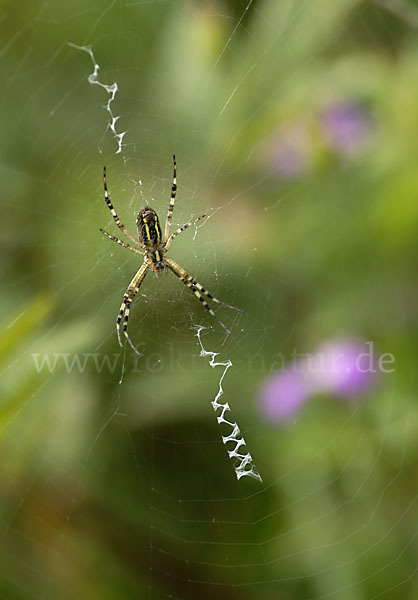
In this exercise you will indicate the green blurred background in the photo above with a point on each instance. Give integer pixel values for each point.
(295, 125)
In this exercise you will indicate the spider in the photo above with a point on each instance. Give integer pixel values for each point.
(153, 246)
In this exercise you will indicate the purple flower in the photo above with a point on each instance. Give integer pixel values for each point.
(344, 368)
(346, 127)
(283, 395)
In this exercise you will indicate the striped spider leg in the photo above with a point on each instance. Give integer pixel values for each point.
(153, 247)
(198, 290)
(124, 244)
(125, 307)
(113, 212)
(172, 201)
(182, 228)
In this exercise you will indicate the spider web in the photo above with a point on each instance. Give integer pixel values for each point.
(165, 465)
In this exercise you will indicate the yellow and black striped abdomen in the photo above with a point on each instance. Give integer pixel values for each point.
(149, 230)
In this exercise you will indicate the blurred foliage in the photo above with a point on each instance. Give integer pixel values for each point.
(114, 479)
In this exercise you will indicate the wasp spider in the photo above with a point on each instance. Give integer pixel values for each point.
(153, 246)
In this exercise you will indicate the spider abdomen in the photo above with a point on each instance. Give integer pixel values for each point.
(149, 230)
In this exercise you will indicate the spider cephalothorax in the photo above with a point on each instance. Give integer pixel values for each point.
(152, 244)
